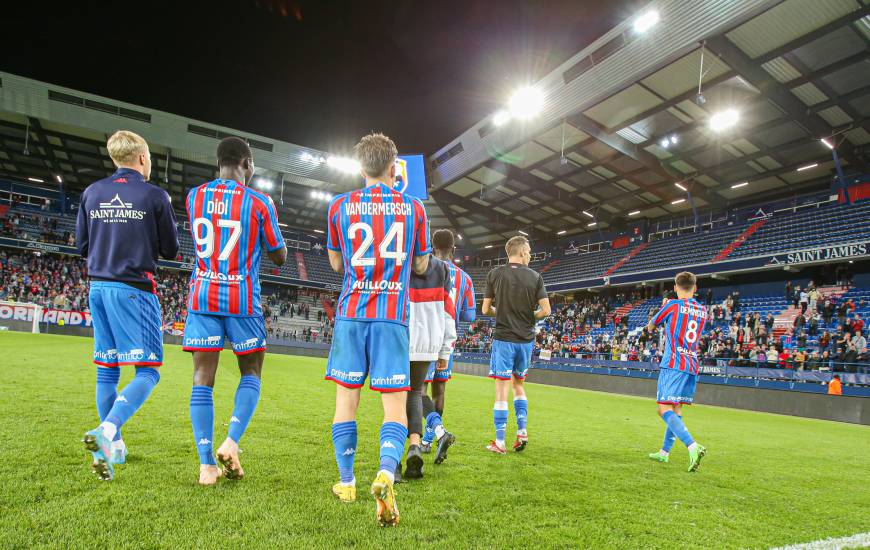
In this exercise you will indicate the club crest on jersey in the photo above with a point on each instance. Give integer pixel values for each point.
(378, 286)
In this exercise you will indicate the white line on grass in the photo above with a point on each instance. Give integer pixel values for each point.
(861, 540)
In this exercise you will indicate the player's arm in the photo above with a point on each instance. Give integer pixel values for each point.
(333, 235)
(468, 312)
(271, 233)
(659, 317)
(488, 295)
(82, 236)
(336, 261)
(167, 229)
(544, 309)
(422, 246)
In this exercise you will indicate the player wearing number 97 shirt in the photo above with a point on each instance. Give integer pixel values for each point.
(376, 235)
(683, 321)
(230, 224)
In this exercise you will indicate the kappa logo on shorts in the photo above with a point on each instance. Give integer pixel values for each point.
(152, 357)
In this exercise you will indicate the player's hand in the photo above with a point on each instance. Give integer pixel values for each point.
(441, 365)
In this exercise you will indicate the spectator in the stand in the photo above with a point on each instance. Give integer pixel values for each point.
(796, 296)
(799, 322)
(804, 301)
(857, 325)
(842, 312)
(835, 387)
(828, 311)
(735, 301)
(768, 322)
(813, 296)
(814, 324)
(799, 358)
(789, 290)
(824, 341)
(709, 296)
(814, 361)
(772, 355)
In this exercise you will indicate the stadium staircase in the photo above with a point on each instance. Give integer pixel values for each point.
(735, 244)
(623, 310)
(300, 263)
(634, 252)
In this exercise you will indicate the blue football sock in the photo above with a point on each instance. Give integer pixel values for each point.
(107, 392)
(521, 408)
(247, 396)
(675, 424)
(393, 436)
(344, 441)
(202, 420)
(428, 436)
(133, 396)
(500, 417)
(668, 442)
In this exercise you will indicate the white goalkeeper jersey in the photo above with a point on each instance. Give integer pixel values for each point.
(431, 321)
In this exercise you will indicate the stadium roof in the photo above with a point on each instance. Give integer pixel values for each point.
(795, 71)
(49, 131)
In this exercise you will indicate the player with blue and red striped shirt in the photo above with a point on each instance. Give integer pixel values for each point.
(683, 321)
(376, 235)
(462, 295)
(230, 224)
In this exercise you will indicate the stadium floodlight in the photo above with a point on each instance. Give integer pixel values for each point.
(634, 212)
(488, 246)
(646, 21)
(807, 167)
(344, 164)
(59, 178)
(665, 143)
(723, 120)
(526, 103)
(36, 180)
(562, 232)
(827, 143)
(521, 232)
(585, 213)
(591, 224)
(678, 201)
(501, 118)
(265, 184)
(739, 185)
(319, 231)
(282, 224)
(681, 186)
(314, 194)
(674, 139)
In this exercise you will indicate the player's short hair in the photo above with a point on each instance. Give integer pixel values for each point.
(375, 153)
(514, 245)
(443, 240)
(124, 146)
(232, 151)
(685, 280)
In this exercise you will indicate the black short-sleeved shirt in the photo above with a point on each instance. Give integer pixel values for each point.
(515, 290)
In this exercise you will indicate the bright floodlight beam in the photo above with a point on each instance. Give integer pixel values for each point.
(739, 185)
(562, 232)
(827, 143)
(724, 120)
(646, 21)
(526, 103)
(344, 164)
(681, 186)
(634, 212)
(501, 118)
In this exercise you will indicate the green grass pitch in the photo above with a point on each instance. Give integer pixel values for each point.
(583, 481)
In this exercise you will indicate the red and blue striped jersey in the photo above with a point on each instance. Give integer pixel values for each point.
(683, 322)
(377, 230)
(230, 224)
(462, 294)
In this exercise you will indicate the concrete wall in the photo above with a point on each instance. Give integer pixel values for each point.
(810, 405)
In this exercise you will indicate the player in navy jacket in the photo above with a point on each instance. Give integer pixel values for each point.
(124, 223)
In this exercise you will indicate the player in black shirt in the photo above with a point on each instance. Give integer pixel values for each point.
(516, 295)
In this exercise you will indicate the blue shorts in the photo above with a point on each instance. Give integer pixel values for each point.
(204, 332)
(676, 387)
(127, 325)
(440, 375)
(510, 359)
(374, 349)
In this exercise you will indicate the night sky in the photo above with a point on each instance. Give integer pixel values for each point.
(315, 73)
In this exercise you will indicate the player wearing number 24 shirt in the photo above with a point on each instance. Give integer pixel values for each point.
(230, 224)
(376, 236)
(683, 321)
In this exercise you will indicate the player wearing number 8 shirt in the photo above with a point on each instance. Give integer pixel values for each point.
(683, 321)
(376, 235)
(230, 224)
